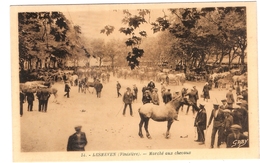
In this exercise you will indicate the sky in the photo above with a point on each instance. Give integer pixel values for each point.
(92, 21)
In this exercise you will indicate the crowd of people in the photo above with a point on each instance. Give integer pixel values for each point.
(230, 120)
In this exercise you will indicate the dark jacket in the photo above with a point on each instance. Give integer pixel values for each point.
(22, 97)
(77, 143)
(192, 97)
(218, 120)
(45, 94)
(99, 87)
(167, 96)
(146, 99)
(201, 119)
(128, 97)
(30, 96)
(67, 88)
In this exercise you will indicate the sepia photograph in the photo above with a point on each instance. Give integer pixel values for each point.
(152, 81)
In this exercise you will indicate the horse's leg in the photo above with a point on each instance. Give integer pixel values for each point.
(141, 125)
(169, 124)
(146, 121)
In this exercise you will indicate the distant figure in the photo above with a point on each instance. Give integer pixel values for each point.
(30, 99)
(67, 90)
(230, 98)
(205, 91)
(151, 85)
(77, 141)
(167, 80)
(98, 86)
(155, 97)
(146, 97)
(45, 98)
(163, 88)
(128, 99)
(118, 87)
(22, 99)
(135, 89)
(167, 97)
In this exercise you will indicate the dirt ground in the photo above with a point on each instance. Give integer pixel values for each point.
(105, 126)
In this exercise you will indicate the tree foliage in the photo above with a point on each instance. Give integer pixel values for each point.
(47, 36)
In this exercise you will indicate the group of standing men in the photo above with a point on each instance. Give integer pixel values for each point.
(42, 95)
(231, 124)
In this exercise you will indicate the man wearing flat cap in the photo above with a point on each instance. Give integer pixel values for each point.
(77, 141)
(236, 139)
(224, 104)
(200, 123)
(217, 116)
(228, 122)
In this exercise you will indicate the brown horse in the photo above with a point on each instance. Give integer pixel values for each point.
(168, 112)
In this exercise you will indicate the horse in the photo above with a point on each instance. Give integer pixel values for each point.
(160, 113)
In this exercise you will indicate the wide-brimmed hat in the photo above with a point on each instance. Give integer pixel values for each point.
(226, 111)
(236, 127)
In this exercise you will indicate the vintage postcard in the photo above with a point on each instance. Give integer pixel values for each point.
(107, 82)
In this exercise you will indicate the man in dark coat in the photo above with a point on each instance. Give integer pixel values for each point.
(128, 99)
(193, 99)
(217, 116)
(147, 98)
(118, 87)
(98, 86)
(30, 99)
(135, 89)
(45, 98)
(77, 141)
(201, 123)
(167, 97)
(67, 90)
(40, 99)
(22, 99)
(228, 122)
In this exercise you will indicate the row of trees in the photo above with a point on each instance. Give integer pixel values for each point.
(48, 39)
(195, 36)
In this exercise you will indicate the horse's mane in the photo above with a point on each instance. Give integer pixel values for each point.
(175, 100)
